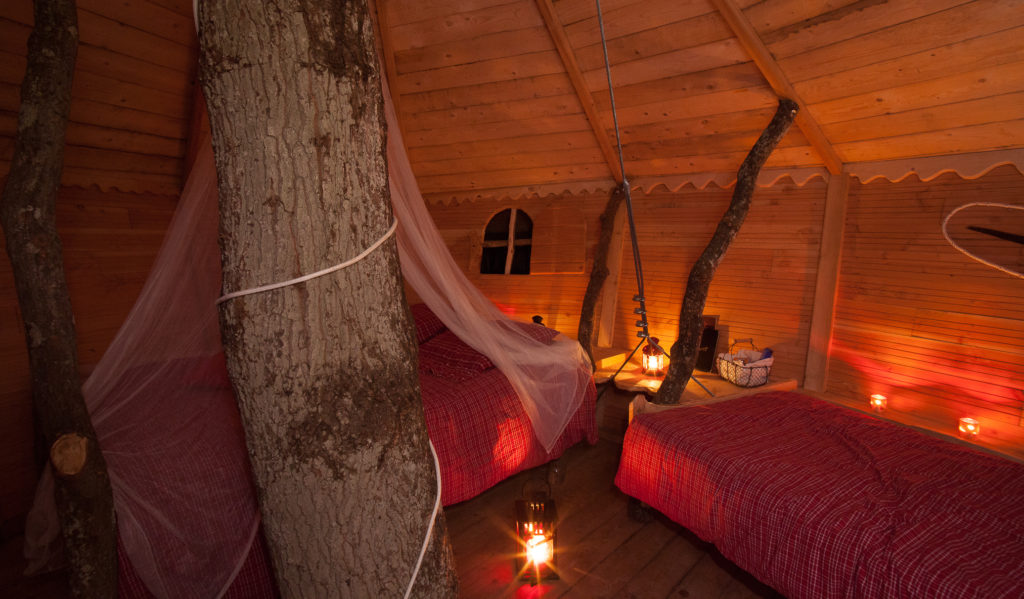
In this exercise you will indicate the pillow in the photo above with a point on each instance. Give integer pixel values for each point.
(448, 350)
(427, 323)
(538, 331)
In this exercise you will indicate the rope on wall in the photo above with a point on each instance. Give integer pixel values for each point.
(945, 233)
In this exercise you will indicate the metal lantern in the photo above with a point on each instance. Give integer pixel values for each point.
(653, 361)
(535, 533)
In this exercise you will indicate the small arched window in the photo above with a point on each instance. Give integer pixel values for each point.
(507, 241)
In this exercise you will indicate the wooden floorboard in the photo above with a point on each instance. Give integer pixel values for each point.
(601, 551)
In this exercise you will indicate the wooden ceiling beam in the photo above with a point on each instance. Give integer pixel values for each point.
(572, 68)
(777, 79)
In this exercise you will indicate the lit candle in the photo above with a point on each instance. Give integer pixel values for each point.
(878, 402)
(535, 530)
(652, 359)
(539, 550)
(969, 428)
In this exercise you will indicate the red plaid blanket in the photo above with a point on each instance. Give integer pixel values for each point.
(482, 435)
(820, 502)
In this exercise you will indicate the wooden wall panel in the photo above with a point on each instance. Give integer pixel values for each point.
(556, 297)
(764, 287)
(132, 93)
(939, 334)
(110, 240)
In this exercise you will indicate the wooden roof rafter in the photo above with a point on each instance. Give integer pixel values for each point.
(579, 84)
(766, 63)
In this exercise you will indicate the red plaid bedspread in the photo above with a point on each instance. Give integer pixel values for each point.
(482, 435)
(820, 502)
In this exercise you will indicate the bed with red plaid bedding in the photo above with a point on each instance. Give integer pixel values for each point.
(820, 501)
(474, 418)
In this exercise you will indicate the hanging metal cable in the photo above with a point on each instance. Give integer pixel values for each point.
(644, 332)
(642, 324)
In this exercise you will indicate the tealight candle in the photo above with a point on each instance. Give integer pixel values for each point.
(878, 402)
(969, 428)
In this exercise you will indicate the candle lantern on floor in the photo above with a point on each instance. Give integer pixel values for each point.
(535, 533)
(969, 428)
(878, 402)
(653, 361)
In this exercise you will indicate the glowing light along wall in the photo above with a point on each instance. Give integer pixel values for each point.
(939, 334)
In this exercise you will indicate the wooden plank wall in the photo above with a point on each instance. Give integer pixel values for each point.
(110, 240)
(764, 287)
(132, 101)
(556, 297)
(939, 334)
(132, 94)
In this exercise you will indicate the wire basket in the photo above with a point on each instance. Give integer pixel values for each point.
(742, 375)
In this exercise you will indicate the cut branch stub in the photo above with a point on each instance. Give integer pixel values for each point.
(69, 453)
(684, 350)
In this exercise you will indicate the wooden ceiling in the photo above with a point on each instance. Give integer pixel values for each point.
(131, 97)
(500, 97)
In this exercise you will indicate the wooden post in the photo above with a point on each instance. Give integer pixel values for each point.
(829, 258)
(610, 292)
(684, 350)
(598, 272)
(28, 207)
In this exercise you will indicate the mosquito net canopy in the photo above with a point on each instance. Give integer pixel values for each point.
(166, 416)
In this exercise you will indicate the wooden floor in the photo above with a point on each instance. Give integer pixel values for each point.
(601, 551)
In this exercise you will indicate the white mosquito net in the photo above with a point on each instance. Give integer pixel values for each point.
(167, 421)
(549, 379)
(166, 416)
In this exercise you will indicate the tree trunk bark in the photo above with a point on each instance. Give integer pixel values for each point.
(28, 213)
(325, 371)
(598, 273)
(684, 350)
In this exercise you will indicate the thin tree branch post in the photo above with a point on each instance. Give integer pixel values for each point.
(598, 272)
(684, 350)
(28, 214)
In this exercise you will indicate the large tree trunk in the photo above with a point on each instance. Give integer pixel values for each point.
(684, 350)
(325, 371)
(28, 213)
(598, 272)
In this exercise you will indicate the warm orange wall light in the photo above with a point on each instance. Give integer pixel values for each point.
(878, 402)
(969, 428)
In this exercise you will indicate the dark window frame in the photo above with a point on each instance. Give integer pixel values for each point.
(517, 243)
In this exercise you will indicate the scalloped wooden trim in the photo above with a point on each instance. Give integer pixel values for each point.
(602, 186)
(967, 166)
(767, 178)
(639, 185)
